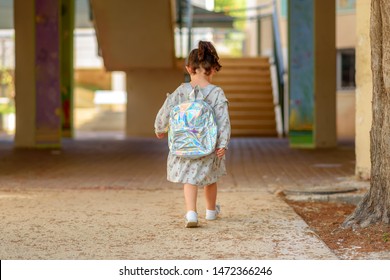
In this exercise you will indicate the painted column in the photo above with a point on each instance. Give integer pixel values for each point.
(312, 73)
(47, 76)
(37, 50)
(67, 27)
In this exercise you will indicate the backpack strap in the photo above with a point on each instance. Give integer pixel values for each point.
(211, 90)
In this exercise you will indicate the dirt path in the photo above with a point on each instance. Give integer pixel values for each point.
(133, 224)
(108, 199)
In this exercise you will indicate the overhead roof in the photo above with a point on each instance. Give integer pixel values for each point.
(82, 19)
(201, 17)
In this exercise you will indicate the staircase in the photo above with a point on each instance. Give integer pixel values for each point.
(247, 85)
(135, 34)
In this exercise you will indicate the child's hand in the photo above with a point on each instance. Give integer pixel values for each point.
(160, 135)
(220, 152)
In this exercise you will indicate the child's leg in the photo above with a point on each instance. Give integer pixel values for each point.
(210, 193)
(190, 196)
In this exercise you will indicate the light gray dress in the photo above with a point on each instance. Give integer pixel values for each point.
(206, 170)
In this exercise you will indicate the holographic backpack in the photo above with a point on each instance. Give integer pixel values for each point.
(192, 127)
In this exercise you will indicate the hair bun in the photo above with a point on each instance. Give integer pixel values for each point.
(205, 48)
(205, 56)
(201, 50)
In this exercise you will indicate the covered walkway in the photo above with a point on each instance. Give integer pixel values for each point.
(108, 199)
(140, 163)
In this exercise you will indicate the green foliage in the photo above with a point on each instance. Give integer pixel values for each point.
(6, 91)
(228, 6)
(234, 39)
(5, 77)
(89, 87)
(386, 236)
(7, 109)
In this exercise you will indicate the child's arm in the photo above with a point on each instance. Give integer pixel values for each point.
(223, 123)
(161, 124)
(160, 135)
(162, 119)
(220, 152)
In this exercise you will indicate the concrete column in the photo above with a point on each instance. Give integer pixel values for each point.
(37, 72)
(312, 73)
(363, 89)
(146, 92)
(25, 73)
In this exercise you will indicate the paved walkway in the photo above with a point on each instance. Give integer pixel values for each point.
(108, 199)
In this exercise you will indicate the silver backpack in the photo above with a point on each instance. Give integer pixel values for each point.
(192, 127)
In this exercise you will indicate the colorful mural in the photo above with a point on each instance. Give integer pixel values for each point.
(301, 72)
(47, 59)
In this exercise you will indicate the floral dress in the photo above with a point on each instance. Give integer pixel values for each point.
(205, 170)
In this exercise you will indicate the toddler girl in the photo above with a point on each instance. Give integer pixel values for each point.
(202, 64)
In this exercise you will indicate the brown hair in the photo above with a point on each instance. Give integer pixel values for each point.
(204, 56)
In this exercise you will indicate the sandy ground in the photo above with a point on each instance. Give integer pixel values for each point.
(109, 199)
(134, 224)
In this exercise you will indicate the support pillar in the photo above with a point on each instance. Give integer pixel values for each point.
(146, 92)
(37, 72)
(363, 89)
(312, 73)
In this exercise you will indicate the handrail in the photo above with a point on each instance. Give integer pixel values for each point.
(189, 24)
(279, 64)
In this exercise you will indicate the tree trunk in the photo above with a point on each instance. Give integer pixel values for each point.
(375, 206)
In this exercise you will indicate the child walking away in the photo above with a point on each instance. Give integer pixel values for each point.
(197, 159)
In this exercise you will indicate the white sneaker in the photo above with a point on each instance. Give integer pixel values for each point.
(213, 214)
(191, 219)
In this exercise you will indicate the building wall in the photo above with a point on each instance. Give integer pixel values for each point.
(346, 99)
(345, 39)
(345, 115)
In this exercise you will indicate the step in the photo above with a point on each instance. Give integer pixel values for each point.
(250, 104)
(250, 98)
(253, 123)
(238, 72)
(254, 93)
(246, 58)
(248, 88)
(268, 115)
(253, 132)
(250, 80)
(247, 115)
(242, 106)
(244, 63)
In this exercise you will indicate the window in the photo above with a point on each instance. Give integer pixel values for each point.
(346, 69)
